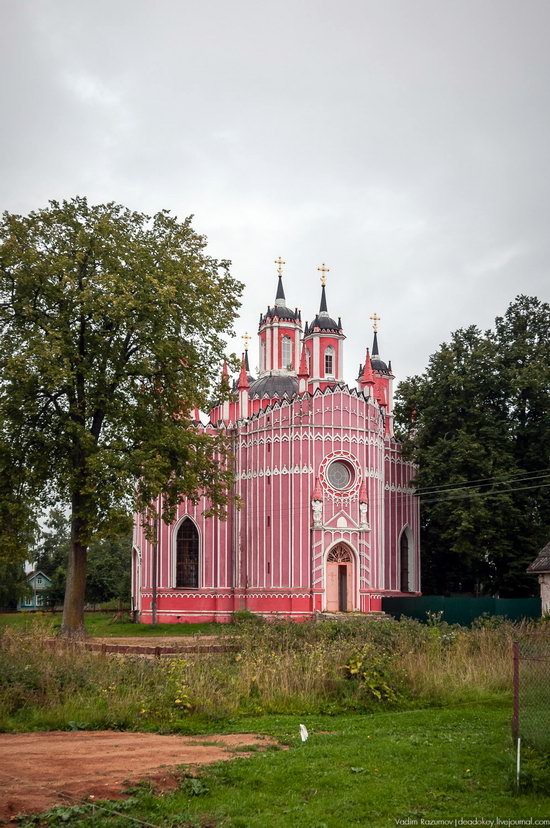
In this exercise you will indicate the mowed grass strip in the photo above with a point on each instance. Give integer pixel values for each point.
(107, 625)
(354, 770)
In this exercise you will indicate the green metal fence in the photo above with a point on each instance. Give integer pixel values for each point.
(463, 609)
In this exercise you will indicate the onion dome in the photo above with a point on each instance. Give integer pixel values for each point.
(274, 385)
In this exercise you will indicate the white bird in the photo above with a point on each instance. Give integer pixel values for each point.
(303, 733)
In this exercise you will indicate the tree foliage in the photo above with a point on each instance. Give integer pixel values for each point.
(480, 414)
(109, 563)
(111, 325)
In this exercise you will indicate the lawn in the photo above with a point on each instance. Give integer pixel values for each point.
(106, 625)
(355, 770)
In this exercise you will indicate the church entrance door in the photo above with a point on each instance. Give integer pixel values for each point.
(339, 580)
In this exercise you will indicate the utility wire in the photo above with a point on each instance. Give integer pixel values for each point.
(481, 480)
(485, 494)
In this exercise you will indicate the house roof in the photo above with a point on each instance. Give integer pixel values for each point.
(542, 561)
(33, 574)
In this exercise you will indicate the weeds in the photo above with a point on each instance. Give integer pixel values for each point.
(280, 667)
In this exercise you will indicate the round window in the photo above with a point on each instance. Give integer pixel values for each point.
(339, 475)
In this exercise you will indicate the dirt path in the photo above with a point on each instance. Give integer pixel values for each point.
(41, 770)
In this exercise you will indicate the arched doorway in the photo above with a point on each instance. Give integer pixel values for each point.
(339, 579)
(187, 555)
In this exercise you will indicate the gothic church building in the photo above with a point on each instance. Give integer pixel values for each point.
(328, 520)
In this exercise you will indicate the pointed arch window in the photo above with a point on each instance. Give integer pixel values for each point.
(286, 352)
(187, 555)
(329, 361)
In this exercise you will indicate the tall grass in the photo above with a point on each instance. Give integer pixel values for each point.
(277, 667)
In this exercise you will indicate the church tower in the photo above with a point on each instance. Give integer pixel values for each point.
(279, 334)
(324, 341)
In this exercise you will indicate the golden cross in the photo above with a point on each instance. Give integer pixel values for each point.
(280, 262)
(375, 320)
(246, 340)
(323, 269)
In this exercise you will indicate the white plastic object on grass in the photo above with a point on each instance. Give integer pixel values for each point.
(303, 733)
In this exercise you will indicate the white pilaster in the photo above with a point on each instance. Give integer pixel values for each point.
(268, 363)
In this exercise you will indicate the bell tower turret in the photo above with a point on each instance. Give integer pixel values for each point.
(324, 340)
(279, 334)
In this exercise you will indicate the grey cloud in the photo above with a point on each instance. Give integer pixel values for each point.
(404, 143)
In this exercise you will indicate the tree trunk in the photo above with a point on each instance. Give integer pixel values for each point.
(73, 606)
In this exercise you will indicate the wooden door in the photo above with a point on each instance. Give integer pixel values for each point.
(332, 587)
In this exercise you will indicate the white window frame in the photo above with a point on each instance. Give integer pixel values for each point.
(286, 352)
(330, 353)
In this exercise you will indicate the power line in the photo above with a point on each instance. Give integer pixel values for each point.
(486, 494)
(497, 478)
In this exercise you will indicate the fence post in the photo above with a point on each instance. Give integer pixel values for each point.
(515, 719)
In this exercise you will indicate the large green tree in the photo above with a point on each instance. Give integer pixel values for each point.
(477, 422)
(111, 325)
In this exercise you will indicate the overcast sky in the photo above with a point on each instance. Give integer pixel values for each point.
(405, 143)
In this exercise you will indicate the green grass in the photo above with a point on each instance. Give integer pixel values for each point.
(368, 770)
(104, 625)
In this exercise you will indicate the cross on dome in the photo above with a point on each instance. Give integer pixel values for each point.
(280, 262)
(375, 320)
(246, 340)
(323, 269)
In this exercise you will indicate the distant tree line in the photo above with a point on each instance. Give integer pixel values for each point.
(109, 563)
(477, 423)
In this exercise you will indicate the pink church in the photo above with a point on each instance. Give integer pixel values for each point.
(328, 520)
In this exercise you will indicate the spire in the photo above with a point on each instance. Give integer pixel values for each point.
(243, 378)
(280, 300)
(367, 377)
(375, 320)
(246, 340)
(323, 269)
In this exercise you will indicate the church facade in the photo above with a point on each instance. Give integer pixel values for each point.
(327, 519)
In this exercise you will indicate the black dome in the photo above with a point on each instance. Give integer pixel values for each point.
(379, 365)
(274, 384)
(281, 312)
(325, 323)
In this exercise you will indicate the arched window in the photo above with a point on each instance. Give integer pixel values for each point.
(262, 356)
(404, 560)
(187, 555)
(329, 361)
(287, 352)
